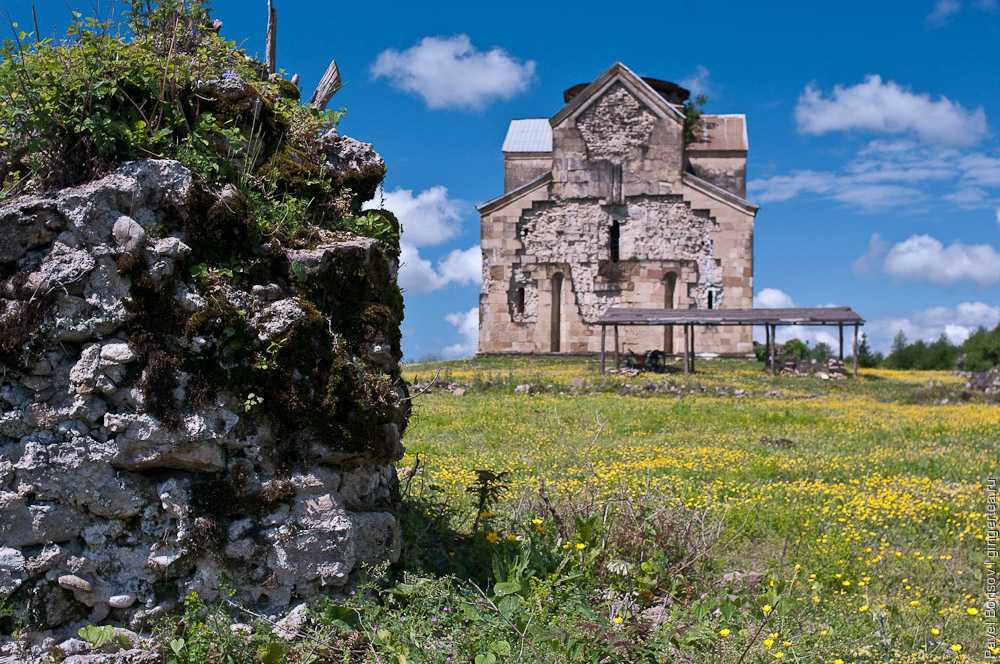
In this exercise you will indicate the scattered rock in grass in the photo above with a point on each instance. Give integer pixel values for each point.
(777, 442)
(294, 623)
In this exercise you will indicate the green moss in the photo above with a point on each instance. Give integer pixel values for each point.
(287, 89)
(295, 174)
(217, 230)
(363, 183)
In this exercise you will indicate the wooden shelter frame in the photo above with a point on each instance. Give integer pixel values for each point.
(690, 318)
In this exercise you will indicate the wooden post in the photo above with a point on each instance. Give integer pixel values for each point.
(604, 330)
(774, 344)
(841, 354)
(855, 350)
(767, 343)
(692, 347)
(617, 365)
(687, 350)
(328, 85)
(271, 48)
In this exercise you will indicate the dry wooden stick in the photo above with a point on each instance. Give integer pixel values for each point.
(271, 47)
(328, 86)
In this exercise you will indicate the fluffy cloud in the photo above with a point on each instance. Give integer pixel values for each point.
(428, 218)
(448, 72)
(468, 328)
(923, 258)
(956, 322)
(891, 108)
(462, 266)
(869, 264)
(772, 298)
(417, 276)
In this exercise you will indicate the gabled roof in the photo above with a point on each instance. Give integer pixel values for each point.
(534, 135)
(513, 194)
(618, 72)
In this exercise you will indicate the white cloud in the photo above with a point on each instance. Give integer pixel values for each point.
(894, 174)
(956, 322)
(772, 298)
(998, 216)
(699, 82)
(428, 218)
(462, 266)
(942, 13)
(784, 187)
(923, 258)
(876, 196)
(417, 276)
(980, 169)
(869, 263)
(891, 108)
(468, 328)
(448, 72)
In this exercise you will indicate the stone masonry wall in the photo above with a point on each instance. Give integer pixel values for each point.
(167, 423)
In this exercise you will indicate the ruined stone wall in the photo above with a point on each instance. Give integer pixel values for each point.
(167, 421)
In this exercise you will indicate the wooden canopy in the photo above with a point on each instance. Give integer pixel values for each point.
(769, 318)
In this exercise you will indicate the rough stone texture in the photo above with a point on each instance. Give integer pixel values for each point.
(618, 161)
(135, 464)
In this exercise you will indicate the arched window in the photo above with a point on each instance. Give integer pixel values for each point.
(614, 240)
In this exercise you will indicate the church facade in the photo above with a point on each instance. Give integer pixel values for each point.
(605, 204)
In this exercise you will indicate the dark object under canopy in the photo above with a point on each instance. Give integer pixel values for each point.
(769, 318)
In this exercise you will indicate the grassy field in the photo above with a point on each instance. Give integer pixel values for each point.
(726, 516)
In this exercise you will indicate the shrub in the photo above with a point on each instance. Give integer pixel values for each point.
(159, 82)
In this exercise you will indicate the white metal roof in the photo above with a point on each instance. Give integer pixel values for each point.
(534, 135)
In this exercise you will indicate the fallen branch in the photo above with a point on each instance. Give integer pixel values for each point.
(328, 86)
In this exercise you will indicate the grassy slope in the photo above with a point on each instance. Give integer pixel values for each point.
(867, 496)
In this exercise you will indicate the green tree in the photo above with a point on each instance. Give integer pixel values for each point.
(821, 351)
(982, 349)
(867, 359)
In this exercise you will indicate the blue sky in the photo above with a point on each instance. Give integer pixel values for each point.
(874, 153)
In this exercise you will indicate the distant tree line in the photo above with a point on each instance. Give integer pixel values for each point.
(979, 352)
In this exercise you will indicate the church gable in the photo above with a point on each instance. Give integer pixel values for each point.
(616, 126)
(616, 220)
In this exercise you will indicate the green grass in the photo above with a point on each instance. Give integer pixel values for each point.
(801, 520)
(814, 482)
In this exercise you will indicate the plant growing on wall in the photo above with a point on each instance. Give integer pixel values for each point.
(693, 121)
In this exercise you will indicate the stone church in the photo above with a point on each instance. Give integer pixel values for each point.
(606, 205)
